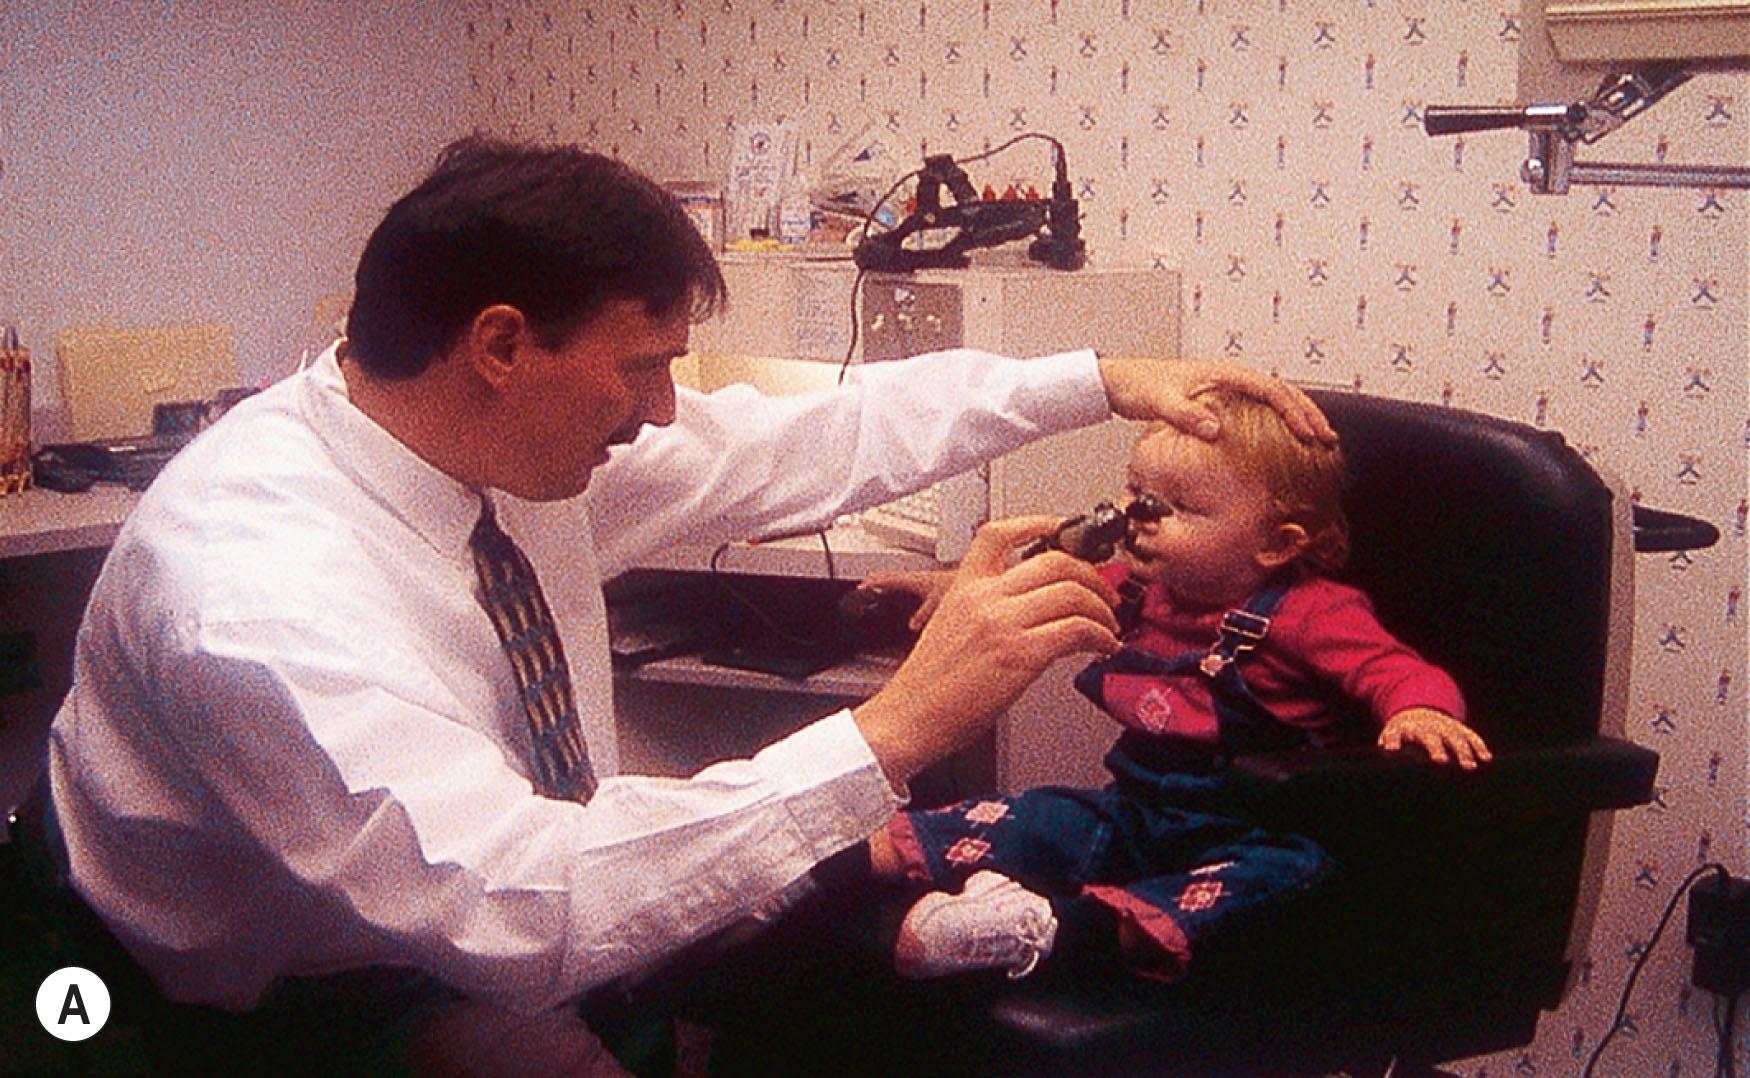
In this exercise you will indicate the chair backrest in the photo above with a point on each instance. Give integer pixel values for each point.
(1497, 551)
(1492, 548)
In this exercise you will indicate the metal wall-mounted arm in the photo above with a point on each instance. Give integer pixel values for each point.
(1550, 168)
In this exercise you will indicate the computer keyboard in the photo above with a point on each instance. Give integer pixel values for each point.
(938, 520)
(910, 523)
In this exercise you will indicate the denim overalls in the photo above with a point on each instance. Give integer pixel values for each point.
(1151, 847)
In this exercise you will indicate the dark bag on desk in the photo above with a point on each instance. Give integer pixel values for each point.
(131, 462)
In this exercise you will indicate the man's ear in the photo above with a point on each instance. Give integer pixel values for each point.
(494, 342)
(1282, 545)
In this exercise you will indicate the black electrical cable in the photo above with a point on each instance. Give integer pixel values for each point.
(1646, 953)
(1724, 1019)
(994, 150)
(856, 324)
(1728, 1047)
(826, 548)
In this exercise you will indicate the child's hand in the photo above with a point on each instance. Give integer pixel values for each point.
(928, 585)
(1441, 736)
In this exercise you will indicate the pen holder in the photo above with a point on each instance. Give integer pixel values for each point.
(14, 416)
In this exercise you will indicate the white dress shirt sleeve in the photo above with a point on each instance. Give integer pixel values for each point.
(738, 464)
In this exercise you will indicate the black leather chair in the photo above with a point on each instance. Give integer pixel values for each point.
(1462, 901)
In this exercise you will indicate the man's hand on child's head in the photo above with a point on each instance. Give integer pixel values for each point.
(1441, 736)
(1167, 390)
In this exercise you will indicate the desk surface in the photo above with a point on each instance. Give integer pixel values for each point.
(40, 521)
(47, 522)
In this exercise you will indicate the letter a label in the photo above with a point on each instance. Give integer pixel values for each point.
(73, 1003)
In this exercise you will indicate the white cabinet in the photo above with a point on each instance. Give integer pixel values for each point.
(1585, 31)
(1568, 47)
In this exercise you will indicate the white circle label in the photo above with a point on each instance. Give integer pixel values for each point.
(73, 1003)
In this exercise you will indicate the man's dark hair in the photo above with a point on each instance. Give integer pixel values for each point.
(551, 230)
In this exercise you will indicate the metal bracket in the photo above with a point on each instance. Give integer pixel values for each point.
(1550, 168)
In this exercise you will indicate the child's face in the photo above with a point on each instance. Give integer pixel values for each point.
(1206, 550)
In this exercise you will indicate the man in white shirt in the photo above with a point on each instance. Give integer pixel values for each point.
(295, 745)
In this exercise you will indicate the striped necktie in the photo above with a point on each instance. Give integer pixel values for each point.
(512, 597)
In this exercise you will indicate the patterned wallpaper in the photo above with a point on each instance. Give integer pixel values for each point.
(1271, 150)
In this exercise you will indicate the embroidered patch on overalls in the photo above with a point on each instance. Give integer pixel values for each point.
(1155, 710)
(1200, 896)
(987, 812)
(967, 851)
(1152, 705)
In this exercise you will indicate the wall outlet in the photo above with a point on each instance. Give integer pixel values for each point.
(1719, 930)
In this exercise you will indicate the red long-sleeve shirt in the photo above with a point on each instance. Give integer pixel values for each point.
(1324, 646)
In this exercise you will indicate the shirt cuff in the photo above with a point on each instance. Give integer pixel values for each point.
(835, 787)
(1082, 390)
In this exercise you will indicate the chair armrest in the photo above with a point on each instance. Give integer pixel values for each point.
(1658, 531)
(1365, 781)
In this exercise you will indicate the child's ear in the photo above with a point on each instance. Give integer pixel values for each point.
(1282, 545)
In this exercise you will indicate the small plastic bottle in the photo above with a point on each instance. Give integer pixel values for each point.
(14, 413)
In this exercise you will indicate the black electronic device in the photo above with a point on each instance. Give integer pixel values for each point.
(1054, 223)
(1094, 536)
(131, 462)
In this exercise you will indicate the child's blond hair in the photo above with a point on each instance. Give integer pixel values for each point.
(1304, 479)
